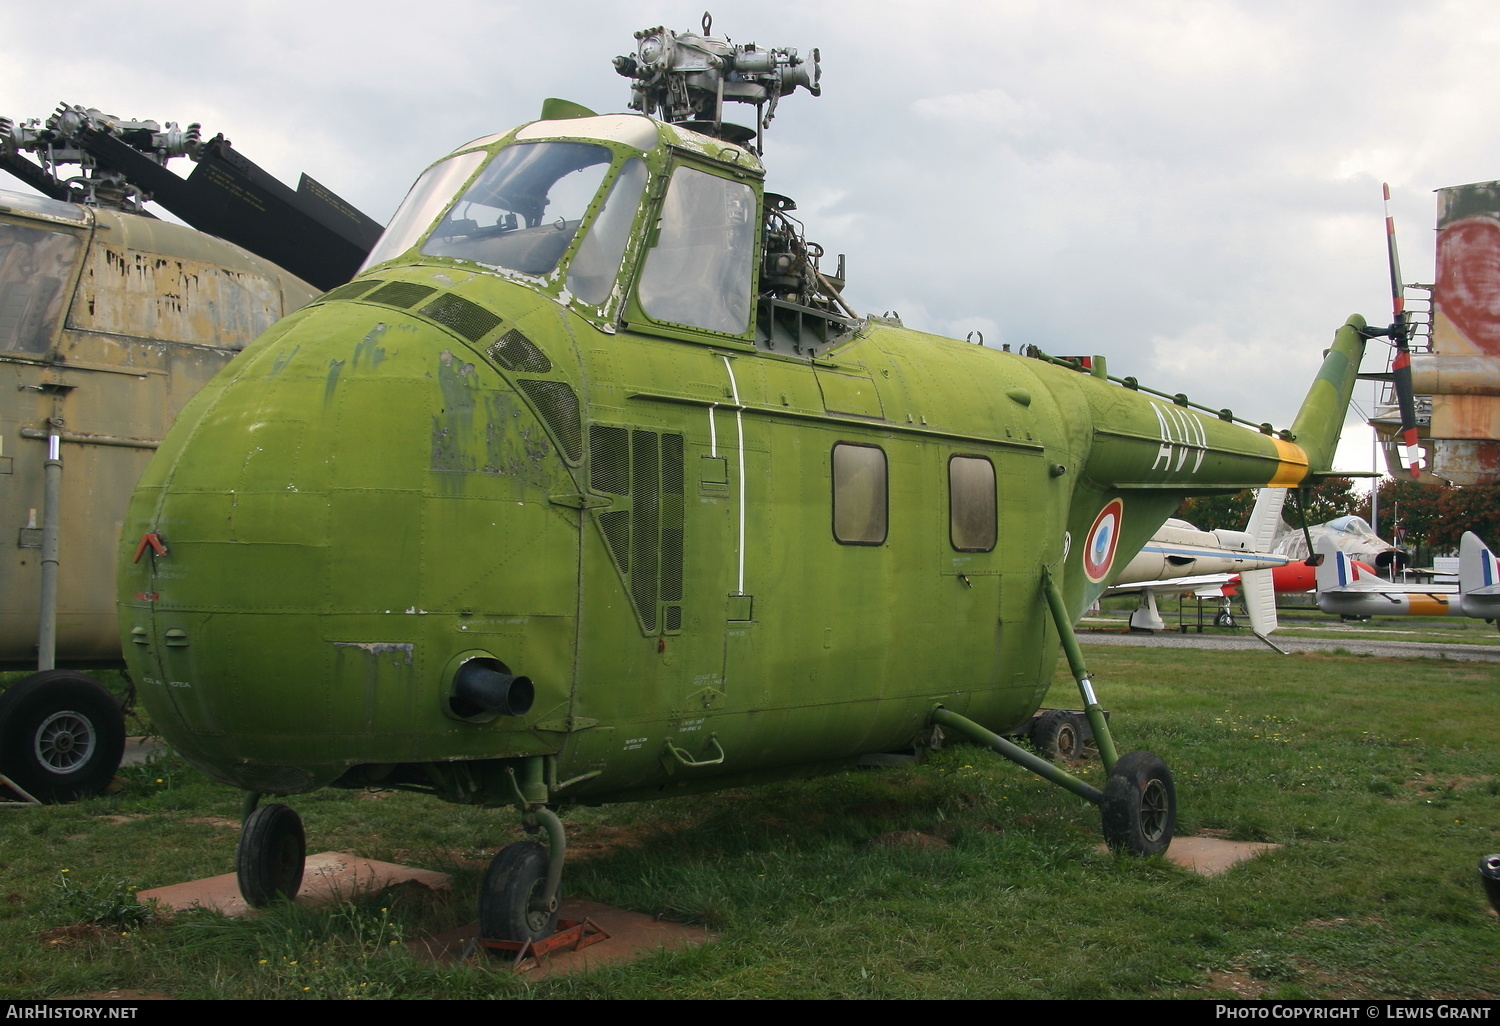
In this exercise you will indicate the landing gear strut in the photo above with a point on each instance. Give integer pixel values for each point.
(1138, 806)
(522, 889)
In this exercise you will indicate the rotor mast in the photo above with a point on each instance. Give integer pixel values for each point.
(685, 78)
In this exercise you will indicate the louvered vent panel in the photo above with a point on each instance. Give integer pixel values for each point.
(646, 541)
(645, 484)
(557, 405)
(470, 320)
(671, 519)
(609, 460)
(353, 290)
(616, 526)
(401, 294)
(515, 352)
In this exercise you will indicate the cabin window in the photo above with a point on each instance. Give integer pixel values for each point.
(698, 271)
(433, 192)
(35, 268)
(597, 261)
(971, 503)
(524, 208)
(859, 494)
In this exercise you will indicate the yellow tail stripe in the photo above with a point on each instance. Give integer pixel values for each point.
(1292, 468)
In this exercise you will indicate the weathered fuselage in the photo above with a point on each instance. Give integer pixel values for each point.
(109, 321)
(717, 549)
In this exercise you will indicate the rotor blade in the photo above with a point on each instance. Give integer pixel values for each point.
(1401, 332)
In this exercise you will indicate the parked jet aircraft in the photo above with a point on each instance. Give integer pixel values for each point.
(1209, 565)
(1346, 590)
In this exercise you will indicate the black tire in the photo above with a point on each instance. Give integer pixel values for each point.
(1061, 736)
(515, 876)
(1139, 810)
(61, 735)
(1489, 875)
(271, 856)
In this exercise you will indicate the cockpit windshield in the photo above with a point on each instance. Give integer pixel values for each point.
(524, 208)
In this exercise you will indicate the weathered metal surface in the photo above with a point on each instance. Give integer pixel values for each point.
(1463, 373)
(108, 325)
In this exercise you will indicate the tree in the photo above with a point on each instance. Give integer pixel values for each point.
(1207, 512)
(1330, 498)
(1437, 516)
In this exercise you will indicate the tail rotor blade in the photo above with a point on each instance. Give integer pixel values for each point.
(1401, 333)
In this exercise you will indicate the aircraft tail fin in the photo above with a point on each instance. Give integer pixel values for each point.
(1478, 569)
(1258, 586)
(1321, 418)
(1337, 572)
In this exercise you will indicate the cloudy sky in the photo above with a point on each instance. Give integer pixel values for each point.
(1190, 188)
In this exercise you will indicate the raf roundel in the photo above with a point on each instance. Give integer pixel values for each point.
(1099, 547)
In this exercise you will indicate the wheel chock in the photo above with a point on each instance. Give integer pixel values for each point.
(572, 935)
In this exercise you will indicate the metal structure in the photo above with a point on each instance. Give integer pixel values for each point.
(1453, 425)
(685, 78)
(310, 232)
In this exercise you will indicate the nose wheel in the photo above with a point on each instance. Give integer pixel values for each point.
(513, 904)
(271, 855)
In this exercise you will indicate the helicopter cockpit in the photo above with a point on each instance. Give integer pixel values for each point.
(565, 203)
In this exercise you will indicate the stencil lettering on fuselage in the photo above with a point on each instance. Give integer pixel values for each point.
(1182, 435)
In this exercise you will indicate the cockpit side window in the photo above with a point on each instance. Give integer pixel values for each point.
(699, 272)
(35, 268)
(523, 210)
(433, 191)
(597, 261)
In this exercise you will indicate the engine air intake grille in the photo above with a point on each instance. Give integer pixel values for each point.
(470, 320)
(353, 290)
(515, 352)
(403, 294)
(646, 539)
(557, 404)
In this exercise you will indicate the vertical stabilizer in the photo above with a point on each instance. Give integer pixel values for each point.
(1337, 571)
(1478, 578)
(1321, 418)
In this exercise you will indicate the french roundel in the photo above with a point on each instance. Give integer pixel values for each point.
(1099, 546)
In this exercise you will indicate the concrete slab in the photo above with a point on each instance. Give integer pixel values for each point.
(632, 936)
(1210, 856)
(328, 876)
(332, 875)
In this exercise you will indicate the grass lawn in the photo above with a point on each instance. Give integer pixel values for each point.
(1379, 778)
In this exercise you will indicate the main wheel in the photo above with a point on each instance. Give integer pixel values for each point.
(1059, 735)
(1140, 805)
(61, 735)
(271, 855)
(516, 876)
(1489, 875)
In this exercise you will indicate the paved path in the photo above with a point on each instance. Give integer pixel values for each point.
(1396, 649)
